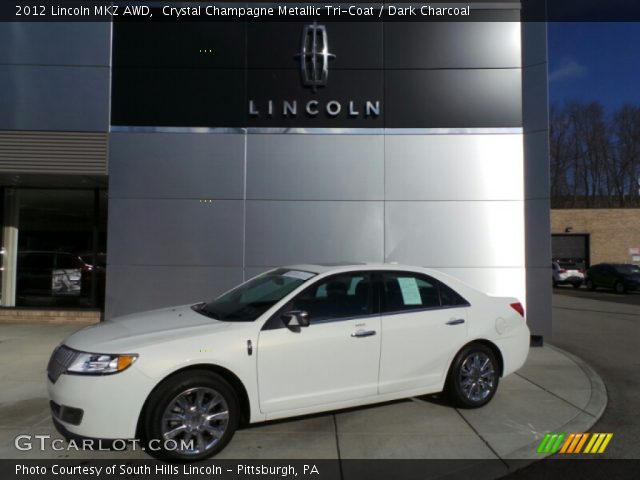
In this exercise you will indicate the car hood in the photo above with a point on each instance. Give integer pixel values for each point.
(128, 333)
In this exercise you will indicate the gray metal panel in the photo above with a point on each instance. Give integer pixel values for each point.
(53, 152)
(453, 167)
(536, 165)
(452, 45)
(54, 98)
(535, 116)
(538, 306)
(537, 232)
(534, 43)
(297, 232)
(55, 43)
(455, 234)
(453, 98)
(507, 282)
(137, 288)
(315, 167)
(170, 165)
(175, 232)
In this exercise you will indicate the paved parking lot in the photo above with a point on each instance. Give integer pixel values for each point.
(600, 294)
(552, 392)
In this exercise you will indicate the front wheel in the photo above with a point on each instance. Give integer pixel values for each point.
(191, 416)
(473, 377)
(590, 285)
(619, 287)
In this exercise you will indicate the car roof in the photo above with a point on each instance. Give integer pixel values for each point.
(321, 268)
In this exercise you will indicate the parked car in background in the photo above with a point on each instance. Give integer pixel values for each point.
(292, 341)
(621, 277)
(567, 272)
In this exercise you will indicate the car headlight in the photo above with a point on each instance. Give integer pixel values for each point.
(100, 363)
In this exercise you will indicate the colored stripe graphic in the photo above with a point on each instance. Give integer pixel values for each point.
(573, 443)
(582, 442)
(568, 442)
(598, 443)
(551, 442)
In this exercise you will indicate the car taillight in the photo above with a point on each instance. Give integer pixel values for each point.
(562, 270)
(518, 308)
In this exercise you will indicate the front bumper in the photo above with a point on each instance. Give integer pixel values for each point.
(88, 443)
(111, 404)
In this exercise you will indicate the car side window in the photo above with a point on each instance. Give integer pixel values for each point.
(405, 292)
(336, 297)
(450, 298)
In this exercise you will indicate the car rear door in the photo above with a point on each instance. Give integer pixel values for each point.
(334, 359)
(423, 324)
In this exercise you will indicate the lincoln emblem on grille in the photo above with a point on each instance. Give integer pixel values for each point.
(314, 56)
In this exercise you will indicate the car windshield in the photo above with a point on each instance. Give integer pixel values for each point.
(628, 269)
(248, 301)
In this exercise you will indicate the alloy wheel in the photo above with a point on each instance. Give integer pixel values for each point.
(477, 377)
(196, 419)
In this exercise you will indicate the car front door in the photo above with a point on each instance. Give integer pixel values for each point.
(423, 325)
(335, 358)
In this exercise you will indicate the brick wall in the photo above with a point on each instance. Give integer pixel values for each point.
(613, 231)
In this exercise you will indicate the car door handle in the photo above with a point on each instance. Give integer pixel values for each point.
(455, 321)
(363, 333)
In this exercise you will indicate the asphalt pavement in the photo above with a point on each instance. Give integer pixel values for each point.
(600, 294)
(602, 328)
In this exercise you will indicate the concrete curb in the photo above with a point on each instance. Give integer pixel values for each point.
(582, 422)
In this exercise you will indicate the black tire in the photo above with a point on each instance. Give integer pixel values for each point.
(619, 288)
(459, 375)
(577, 285)
(184, 388)
(590, 285)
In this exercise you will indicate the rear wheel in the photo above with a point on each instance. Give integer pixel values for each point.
(191, 416)
(619, 287)
(473, 377)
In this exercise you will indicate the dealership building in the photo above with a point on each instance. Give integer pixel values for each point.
(195, 155)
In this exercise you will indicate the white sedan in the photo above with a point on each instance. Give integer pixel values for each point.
(292, 341)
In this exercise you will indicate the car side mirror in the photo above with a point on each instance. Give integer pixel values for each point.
(294, 319)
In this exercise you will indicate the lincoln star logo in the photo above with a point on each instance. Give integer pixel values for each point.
(314, 56)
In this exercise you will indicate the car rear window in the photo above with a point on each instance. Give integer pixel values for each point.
(628, 269)
(568, 266)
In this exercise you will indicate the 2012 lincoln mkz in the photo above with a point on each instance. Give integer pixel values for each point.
(292, 341)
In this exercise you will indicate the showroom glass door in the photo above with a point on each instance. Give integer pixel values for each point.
(61, 258)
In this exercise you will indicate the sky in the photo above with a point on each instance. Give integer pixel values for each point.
(594, 61)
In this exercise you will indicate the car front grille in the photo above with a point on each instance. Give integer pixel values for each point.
(60, 360)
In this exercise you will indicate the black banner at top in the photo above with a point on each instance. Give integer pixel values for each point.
(334, 11)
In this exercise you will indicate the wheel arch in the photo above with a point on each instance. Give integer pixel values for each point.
(226, 374)
(487, 343)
